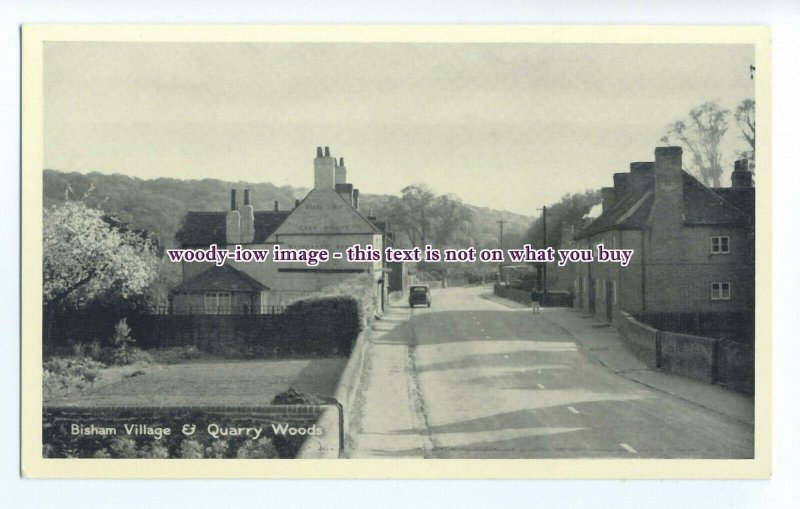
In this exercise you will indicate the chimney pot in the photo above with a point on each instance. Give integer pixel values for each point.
(296, 203)
(741, 176)
(277, 207)
(234, 205)
(247, 197)
(327, 151)
(319, 151)
(341, 161)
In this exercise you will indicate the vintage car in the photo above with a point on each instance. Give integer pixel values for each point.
(419, 294)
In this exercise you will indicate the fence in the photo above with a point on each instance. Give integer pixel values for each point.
(322, 327)
(189, 309)
(736, 326)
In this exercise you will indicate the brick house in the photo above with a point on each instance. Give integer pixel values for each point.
(694, 246)
(327, 218)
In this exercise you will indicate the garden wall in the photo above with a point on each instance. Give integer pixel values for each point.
(641, 339)
(726, 362)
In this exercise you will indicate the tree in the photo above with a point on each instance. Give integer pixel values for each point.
(450, 218)
(416, 206)
(568, 211)
(746, 120)
(86, 259)
(701, 134)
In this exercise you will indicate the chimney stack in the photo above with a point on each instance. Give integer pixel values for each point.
(741, 176)
(641, 177)
(622, 187)
(233, 222)
(340, 173)
(608, 198)
(248, 219)
(324, 169)
(668, 202)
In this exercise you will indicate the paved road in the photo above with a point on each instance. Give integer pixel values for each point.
(472, 378)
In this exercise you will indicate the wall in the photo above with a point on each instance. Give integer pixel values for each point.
(554, 299)
(679, 277)
(641, 339)
(728, 363)
(689, 356)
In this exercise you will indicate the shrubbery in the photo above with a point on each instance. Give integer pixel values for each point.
(59, 442)
(63, 375)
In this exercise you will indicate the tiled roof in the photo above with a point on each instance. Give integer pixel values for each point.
(224, 278)
(701, 206)
(267, 222)
(630, 212)
(202, 229)
(206, 228)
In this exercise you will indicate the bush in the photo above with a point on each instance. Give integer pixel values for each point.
(288, 445)
(191, 449)
(121, 343)
(325, 323)
(257, 449)
(176, 355)
(66, 374)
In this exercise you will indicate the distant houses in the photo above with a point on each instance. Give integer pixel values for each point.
(327, 218)
(694, 246)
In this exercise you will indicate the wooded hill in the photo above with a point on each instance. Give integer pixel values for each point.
(159, 205)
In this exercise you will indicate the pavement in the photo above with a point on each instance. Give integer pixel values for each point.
(477, 376)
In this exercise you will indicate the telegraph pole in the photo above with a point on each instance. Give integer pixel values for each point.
(501, 223)
(544, 245)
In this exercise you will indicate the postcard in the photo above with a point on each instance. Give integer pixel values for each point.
(396, 252)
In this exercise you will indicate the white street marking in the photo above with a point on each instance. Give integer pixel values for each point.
(628, 448)
(540, 386)
(571, 409)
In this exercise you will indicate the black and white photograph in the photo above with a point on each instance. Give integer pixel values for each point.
(487, 245)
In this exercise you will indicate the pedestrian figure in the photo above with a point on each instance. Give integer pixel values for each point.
(535, 295)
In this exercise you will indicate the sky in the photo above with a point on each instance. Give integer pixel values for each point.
(507, 126)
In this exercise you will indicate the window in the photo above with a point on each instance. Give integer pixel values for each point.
(217, 303)
(720, 291)
(720, 245)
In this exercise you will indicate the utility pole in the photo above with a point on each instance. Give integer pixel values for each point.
(544, 245)
(501, 223)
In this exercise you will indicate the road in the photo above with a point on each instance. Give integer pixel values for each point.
(473, 378)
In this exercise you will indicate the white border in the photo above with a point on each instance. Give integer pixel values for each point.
(781, 492)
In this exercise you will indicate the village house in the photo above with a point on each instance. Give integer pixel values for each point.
(327, 218)
(694, 246)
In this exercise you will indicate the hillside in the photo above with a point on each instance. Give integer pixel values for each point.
(159, 205)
